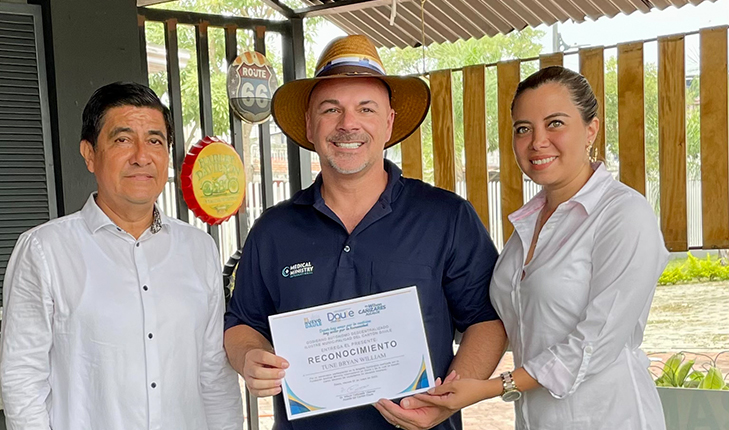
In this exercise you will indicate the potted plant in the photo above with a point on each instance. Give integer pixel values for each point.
(693, 391)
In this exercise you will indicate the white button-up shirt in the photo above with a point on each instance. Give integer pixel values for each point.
(576, 320)
(105, 332)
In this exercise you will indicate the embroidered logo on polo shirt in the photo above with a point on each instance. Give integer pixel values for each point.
(298, 269)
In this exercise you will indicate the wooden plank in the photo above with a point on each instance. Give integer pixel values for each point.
(412, 156)
(444, 164)
(714, 138)
(555, 59)
(672, 141)
(592, 67)
(510, 175)
(631, 116)
(474, 140)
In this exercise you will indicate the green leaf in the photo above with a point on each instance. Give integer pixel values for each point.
(696, 376)
(691, 384)
(674, 362)
(683, 370)
(670, 370)
(713, 380)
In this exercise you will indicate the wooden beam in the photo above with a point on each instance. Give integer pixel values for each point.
(672, 141)
(714, 139)
(412, 156)
(442, 118)
(592, 67)
(555, 59)
(631, 116)
(475, 144)
(510, 175)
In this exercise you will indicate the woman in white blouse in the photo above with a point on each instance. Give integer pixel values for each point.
(575, 281)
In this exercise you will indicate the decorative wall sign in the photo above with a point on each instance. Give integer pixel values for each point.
(213, 180)
(251, 84)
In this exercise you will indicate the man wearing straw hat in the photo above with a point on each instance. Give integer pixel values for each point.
(363, 229)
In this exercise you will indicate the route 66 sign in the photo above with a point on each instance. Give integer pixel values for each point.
(251, 84)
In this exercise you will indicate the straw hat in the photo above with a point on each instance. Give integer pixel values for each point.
(351, 57)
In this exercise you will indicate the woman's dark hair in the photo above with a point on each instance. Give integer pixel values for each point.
(576, 84)
(116, 95)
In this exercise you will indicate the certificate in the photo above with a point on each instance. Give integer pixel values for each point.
(352, 353)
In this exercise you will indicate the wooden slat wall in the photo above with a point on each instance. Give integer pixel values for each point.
(631, 132)
(442, 118)
(592, 67)
(672, 141)
(714, 144)
(631, 116)
(476, 146)
(555, 59)
(412, 156)
(508, 75)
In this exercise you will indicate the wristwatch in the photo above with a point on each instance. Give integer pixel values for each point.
(511, 393)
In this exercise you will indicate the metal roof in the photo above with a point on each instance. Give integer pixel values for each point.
(451, 20)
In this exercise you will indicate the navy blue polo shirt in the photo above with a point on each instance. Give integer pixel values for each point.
(299, 254)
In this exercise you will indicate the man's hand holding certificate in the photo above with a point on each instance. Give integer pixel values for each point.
(352, 353)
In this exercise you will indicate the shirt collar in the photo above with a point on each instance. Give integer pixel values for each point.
(588, 196)
(311, 196)
(591, 193)
(96, 219)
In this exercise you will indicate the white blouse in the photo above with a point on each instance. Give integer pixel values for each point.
(576, 320)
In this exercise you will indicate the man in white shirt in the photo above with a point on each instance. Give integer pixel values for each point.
(113, 315)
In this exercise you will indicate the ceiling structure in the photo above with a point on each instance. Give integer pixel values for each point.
(398, 23)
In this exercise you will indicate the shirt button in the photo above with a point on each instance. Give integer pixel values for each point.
(137, 244)
(346, 248)
(118, 229)
(145, 288)
(150, 335)
(154, 385)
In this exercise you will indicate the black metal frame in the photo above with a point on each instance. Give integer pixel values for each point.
(294, 66)
(206, 97)
(328, 8)
(175, 94)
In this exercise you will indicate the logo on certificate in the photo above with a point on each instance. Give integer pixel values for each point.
(298, 269)
(312, 321)
(340, 315)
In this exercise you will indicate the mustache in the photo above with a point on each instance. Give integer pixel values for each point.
(348, 137)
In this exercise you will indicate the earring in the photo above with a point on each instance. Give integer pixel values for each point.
(591, 154)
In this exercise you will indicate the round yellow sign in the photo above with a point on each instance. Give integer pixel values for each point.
(213, 180)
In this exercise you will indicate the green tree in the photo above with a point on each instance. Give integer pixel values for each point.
(487, 50)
